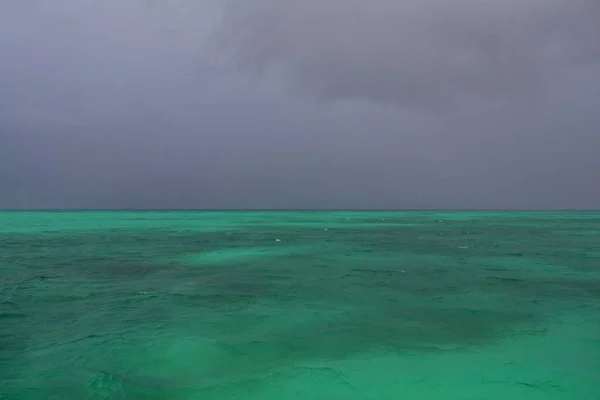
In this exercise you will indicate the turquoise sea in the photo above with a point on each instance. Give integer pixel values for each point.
(299, 305)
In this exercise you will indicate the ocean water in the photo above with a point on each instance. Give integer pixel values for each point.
(299, 305)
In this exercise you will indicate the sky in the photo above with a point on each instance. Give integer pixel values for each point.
(300, 104)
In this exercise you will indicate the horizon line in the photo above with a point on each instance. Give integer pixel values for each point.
(57, 209)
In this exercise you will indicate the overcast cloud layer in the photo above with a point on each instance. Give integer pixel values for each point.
(416, 52)
(300, 104)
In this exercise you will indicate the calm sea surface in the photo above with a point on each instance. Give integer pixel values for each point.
(299, 305)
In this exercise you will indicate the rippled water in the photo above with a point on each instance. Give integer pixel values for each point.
(299, 305)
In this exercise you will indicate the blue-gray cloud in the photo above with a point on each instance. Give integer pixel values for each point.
(154, 104)
(422, 53)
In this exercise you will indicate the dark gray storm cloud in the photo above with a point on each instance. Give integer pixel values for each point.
(384, 103)
(415, 52)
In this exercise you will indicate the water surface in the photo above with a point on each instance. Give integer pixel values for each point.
(299, 305)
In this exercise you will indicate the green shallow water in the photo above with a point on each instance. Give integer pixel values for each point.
(299, 305)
